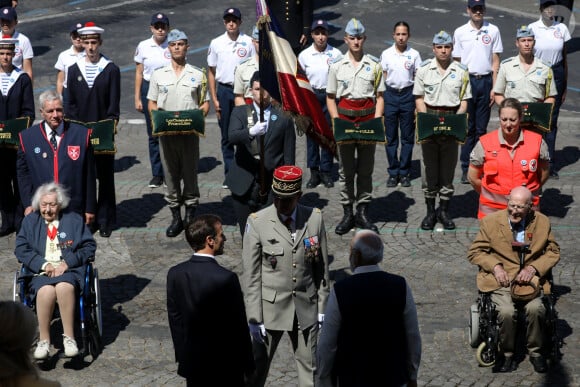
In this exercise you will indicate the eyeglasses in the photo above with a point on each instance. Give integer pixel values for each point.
(51, 205)
(517, 206)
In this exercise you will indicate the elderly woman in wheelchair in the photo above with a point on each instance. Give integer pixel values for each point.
(515, 251)
(55, 246)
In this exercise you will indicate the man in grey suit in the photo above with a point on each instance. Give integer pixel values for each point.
(285, 276)
(279, 148)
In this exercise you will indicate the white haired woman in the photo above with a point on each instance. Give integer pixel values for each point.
(55, 246)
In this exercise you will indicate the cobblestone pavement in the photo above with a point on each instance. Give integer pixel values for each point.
(133, 264)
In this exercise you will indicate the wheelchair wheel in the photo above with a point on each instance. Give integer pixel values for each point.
(98, 310)
(95, 322)
(474, 339)
(15, 295)
(485, 355)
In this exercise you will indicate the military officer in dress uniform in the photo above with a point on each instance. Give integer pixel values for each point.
(525, 77)
(441, 87)
(315, 61)
(477, 44)
(357, 80)
(294, 18)
(285, 276)
(244, 71)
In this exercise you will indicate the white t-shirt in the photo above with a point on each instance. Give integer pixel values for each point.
(315, 64)
(549, 41)
(225, 54)
(476, 47)
(66, 59)
(152, 56)
(400, 66)
(23, 49)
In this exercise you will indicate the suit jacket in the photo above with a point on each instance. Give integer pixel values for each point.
(77, 243)
(72, 165)
(294, 18)
(279, 148)
(493, 245)
(283, 278)
(208, 323)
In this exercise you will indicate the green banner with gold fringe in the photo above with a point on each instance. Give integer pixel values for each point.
(9, 130)
(371, 131)
(168, 123)
(537, 116)
(428, 124)
(102, 135)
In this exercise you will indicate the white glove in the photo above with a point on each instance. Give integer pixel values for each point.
(320, 320)
(258, 332)
(259, 129)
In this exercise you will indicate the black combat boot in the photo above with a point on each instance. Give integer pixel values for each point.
(361, 221)
(189, 215)
(314, 178)
(444, 217)
(176, 226)
(347, 221)
(430, 219)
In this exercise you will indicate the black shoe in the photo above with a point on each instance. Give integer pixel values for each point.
(392, 181)
(105, 231)
(554, 175)
(314, 179)
(347, 221)
(326, 178)
(539, 363)
(156, 182)
(224, 185)
(405, 181)
(508, 364)
(361, 220)
(464, 179)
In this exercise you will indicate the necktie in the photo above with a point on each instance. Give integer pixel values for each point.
(288, 224)
(53, 140)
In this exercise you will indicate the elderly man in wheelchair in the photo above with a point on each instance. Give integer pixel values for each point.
(515, 251)
(55, 246)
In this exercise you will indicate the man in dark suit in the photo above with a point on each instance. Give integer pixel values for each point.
(279, 148)
(206, 313)
(370, 335)
(294, 18)
(71, 164)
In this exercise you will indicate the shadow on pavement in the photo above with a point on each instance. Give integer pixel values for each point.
(555, 204)
(207, 164)
(465, 205)
(139, 212)
(391, 208)
(567, 156)
(313, 199)
(125, 163)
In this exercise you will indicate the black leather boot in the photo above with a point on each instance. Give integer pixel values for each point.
(444, 217)
(314, 178)
(347, 221)
(430, 219)
(189, 215)
(176, 226)
(361, 221)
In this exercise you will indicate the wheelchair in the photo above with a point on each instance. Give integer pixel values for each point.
(88, 310)
(484, 328)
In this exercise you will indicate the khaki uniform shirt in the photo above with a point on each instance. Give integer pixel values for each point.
(361, 82)
(187, 92)
(446, 90)
(242, 76)
(534, 86)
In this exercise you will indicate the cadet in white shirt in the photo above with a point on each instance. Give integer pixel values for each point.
(224, 54)
(244, 72)
(400, 63)
(477, 44)
(150, 55)
(23, 54)
(551, 37)
(315, 61)
(67, 58)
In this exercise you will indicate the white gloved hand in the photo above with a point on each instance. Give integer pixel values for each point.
(259, 129)
(320, 320)
(258, 332)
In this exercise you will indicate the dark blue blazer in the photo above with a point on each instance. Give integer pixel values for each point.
(20, 100)
(72, 165)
